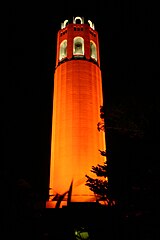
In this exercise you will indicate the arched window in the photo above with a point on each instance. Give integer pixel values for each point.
(80, 20)
(64, 24)
(93, 50)
(78, 46)
(91, 24)
(63, 50)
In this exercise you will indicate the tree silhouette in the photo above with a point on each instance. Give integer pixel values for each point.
(100, 185)
(123, 125)
(60, 197)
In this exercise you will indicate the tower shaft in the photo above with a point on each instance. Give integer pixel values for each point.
(75, 140)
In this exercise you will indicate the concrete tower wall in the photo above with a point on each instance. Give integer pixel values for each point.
(76, 112)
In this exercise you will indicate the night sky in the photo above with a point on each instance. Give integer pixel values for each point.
(129, 55)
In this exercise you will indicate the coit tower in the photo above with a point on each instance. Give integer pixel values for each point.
(77, 97)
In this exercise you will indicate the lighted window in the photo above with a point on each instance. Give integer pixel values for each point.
(78, 46)
(63, 50)
(64, 24)
(80, 20)
(91, 24)
(93, 50)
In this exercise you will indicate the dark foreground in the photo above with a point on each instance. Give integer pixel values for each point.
(83, 221)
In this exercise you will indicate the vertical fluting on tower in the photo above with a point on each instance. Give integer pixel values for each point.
(75, 140)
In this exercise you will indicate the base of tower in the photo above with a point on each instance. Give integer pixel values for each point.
(74, 199)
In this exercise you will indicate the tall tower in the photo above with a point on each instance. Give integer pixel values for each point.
(77, 97)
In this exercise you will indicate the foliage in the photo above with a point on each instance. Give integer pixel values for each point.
(100, 185)
(59, 197)
(120, 120)
(100, 170)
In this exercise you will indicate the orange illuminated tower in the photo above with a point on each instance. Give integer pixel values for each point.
(77, 97)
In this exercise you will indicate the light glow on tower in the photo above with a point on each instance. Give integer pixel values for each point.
(77, 97)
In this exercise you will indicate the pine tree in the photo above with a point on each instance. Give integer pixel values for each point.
(100, 185)
(123, 124)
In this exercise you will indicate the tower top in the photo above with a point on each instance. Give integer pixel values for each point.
(77, 20)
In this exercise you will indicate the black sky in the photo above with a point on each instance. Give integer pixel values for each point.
(129, 52)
